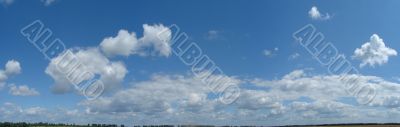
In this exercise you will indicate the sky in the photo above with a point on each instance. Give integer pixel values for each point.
(262, 49)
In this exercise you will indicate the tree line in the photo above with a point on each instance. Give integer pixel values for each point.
(42, 124)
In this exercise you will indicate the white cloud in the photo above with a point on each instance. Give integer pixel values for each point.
(319, 87)
(180, 98)
(3, 78)
(47, 2)
(212, 34)
(9, 110)
(111, 72)
(160, 42)
(171, 96)
(374, 52)
(22, 90)
(13, 112)
(126, 43)
(322, 109)
(295, 74)
(12, 67)
(33, 111)
(158, 95)
(184, 99)
(267, 52)
(316, 15)
(257, 100)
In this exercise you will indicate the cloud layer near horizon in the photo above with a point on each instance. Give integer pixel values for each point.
(171, 99)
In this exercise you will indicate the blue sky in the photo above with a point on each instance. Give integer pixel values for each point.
(251, 41)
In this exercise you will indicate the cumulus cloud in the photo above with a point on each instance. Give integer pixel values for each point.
(158, 96)
(160, 42)
(374, 52)
(12, 67)
(13, 112)
(318, 87)
(111, 72)
(316, 15)
(126, 43)
(179, 96)
(185, 99)
(96, 60)
(322, 109)
(329, 87)
(22, 90)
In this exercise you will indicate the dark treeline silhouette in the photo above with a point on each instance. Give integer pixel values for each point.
(41, 124)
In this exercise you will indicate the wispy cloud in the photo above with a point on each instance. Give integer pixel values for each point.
(213, 34)
(22, 90)
(47, 2)
(7, 2)
(270, 52)
(294, 56)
